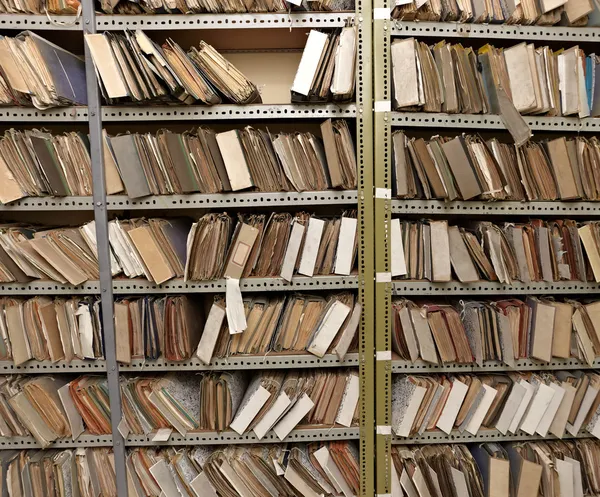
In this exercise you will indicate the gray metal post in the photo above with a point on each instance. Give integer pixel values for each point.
(101, 217)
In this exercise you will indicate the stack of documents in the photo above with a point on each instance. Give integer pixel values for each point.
(324, 468)
(560, 404)
(502, 330)
(222, 6)
(46, 329)
(540, 12)
(56, 7)
(467, 168)
(521, 79)
(165, 73)
(35, 72)
(328, 66)
(284, 323)
(208, 162)
(257, 402)
(539, 250)
(52, 407)
(85, 472)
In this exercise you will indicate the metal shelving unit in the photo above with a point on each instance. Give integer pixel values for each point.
(493, 288)
(84, 440)
(48, 367)
(45, 22)
(483, 435)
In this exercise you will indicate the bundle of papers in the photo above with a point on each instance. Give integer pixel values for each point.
(327, 68)
(132, 67)
(540, 12)
(520, 79)
(502, 330)
(284, 323)
(222, 6)
(45, 329)
(56, 7)
(467, 167)
(51, 407)
(85, 472)
(324, 468)
(35, 72)
(258, 402)
(560, 404)
(539, 250)
(208, 162)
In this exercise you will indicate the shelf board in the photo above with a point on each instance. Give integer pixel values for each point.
(225, 112)
(30, 114)
(223, 21)
(490, 121)
(500, 207)
(268, 361)
(231, 437)
(410, 288)
(494, 31)
(84, 440)
(75, 366)
(484, 435)
(29, 21)
(401, 366)
(304, 283)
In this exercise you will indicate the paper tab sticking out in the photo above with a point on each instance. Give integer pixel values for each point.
(202, 486)
(162, 435)
(212, 327)
(514, 122)
(161, 473)
(236, 315)
(123, 428)
(300, 409)
(278, 469)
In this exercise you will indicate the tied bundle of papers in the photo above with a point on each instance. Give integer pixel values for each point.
(540, 250)
(50, 408)
(560, 404)
(35, 163)
(473, 332)
(221, 6)
(320, 468)
(258, 402)
(35, 72)
(508, 82)
(530, 469)
(467, 167)
(84, 472)
(132, 67)
(45, 329)
(327, 68)
(284, 324)
(541, 12)
(208, 162)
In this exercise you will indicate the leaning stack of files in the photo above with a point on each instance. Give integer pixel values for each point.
(222, 6)
(257, 402)
(527, 469)
(85, 472)
(55, 7)
(52, 407)
(538, 250)
(319, 468)
(46, 329)
(507, 330)
(468, 168)
(560, 404)
(327, 68)
(35, 72)
(521, 79)
(576, 13)
(133, 68)
(205, 161)
(173, 327)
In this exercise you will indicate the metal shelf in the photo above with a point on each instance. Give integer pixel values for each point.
(75, 367)
(225, 200)
(231, 437)
(221, 112)
(128, 287)
(30, 114)
(489, 121)
(66, 443)
(28, 21)
(39, 287)
(410, 288)
(274, 361)
(494, 31)
(484, 435)
(224, 21)
(83, 203)
(474, 207)
(401, 366)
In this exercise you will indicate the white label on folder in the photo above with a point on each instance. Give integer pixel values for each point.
(452, 407)
(300, 409)
(123, 428)
(245, 416)
(397, 249)
(346, 412)
(210, 335)
(162, 435)
(312, 241)
(202, 486)
(330, 326)
(291, 253)
(282, 403)
(236, 314)
(345, 248)
(161, 473)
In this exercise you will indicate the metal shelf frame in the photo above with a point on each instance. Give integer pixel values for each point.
(483, 435)
(453, 288)
(44, 367)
